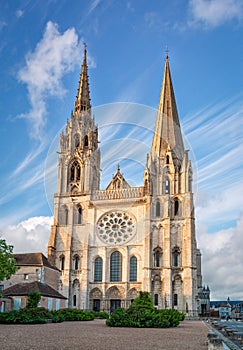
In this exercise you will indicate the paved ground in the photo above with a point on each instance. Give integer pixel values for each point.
(94, 335)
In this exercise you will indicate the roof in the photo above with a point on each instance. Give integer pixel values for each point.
(24, 289)
(33, 259)
(223, 303)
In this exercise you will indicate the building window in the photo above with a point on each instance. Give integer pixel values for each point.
(75, 171)
(57, 304)
(98, 267)
(115, 267)
(157, 257)
(62, 259)
(86, 141)
(167, 159)
(133, 269)
(1, 287)
(49, 304)
(79, 216)
(156, 299)
(175, 257)
(157, 212)
(17, 303)
(26, 277)
(176, 207)
(74, 300)
(175, 299)
(76, 262)
(167, 185)
(2, 306)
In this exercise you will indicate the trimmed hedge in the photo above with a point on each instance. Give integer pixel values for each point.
(41, 315)
(143, 314)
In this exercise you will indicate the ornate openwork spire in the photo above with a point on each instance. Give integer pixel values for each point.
(167, 133)
(83, 98)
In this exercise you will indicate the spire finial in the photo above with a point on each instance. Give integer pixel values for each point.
(167, 52)
(118, 167)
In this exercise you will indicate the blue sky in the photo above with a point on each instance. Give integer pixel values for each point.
(41, 47)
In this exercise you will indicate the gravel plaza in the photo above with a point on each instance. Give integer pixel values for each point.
(95, 335)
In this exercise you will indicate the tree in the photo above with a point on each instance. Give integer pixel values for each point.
(33, 300)
(7, 262)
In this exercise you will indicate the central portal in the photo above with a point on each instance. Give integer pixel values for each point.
(114, 304)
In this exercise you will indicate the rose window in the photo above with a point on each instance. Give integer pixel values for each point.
(116, 227)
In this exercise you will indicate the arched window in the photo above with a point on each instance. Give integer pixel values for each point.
(175, 257)
(115, 267)
(157, 212)
(76, 262)
(78, 215)
(86, 141)
(157, 258)
(98, 267)
(75, 171)
(62, 262)
(176, 207)
(167, 185)
(74, 300)
(133, 269)
(156, 299)
(175, 301)
(167, 159)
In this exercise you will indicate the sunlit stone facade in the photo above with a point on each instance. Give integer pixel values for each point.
(112, 243)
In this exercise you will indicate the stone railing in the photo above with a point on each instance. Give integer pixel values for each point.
(124, 193)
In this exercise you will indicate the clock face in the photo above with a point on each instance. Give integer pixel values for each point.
(116, 227)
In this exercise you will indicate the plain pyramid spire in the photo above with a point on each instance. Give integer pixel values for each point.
(167, 133)
(82, 102)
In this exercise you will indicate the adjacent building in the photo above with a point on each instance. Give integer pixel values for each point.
(35, 274)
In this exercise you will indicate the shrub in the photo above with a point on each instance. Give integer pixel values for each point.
(101, 314)
(142, 313)
(75, 315)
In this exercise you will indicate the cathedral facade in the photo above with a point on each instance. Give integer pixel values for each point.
(110, 244)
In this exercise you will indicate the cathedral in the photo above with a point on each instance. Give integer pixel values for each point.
(112, 243)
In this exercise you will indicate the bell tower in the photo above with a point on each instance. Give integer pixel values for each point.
(173, 239)
(78, 168)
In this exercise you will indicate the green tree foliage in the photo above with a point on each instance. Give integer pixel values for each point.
(33, 300)
(142, 313)
(7, 262)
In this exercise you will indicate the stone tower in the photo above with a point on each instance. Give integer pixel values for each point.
(112, 243)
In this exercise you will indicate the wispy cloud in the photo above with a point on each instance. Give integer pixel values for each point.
(19, 13)
(212, 13)
(93, 6)
(54, 56)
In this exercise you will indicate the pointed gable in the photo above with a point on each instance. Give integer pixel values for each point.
(118, 182)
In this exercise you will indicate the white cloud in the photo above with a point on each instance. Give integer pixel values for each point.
(31, 235)
(54, 56)
(222, 261)
(212, 13)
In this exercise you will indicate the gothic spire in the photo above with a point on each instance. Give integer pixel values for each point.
(167, 133)
(82, 102)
